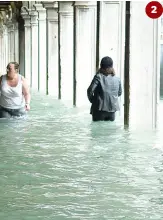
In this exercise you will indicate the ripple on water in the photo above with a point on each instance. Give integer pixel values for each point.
(57, 164)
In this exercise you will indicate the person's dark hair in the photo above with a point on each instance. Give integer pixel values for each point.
(16, 66)
(107, 62)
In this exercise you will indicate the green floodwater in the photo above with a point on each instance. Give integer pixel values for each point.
(57, 164)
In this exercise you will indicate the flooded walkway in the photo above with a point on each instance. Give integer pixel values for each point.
(57, 164)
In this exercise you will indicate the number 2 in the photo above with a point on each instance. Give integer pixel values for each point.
(154, 11)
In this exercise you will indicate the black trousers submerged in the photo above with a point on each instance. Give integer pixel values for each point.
(103, 116)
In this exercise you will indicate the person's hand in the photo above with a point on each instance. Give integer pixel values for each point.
(27, 107)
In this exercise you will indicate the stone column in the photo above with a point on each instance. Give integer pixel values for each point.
(11, 41)
(6, 52)
(21, 46)
(16, 42)
(161, 58)
(112, 33)
(66, 49)
(27, 25)
(9, 26)
(52, 47)
(1, 52)
(144, 67)
(41, 47)
(34, 48)
(85, 49)
(112, 36)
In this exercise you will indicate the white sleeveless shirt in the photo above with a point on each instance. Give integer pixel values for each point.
(11, 97)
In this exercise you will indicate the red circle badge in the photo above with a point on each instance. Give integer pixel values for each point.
(154, 9)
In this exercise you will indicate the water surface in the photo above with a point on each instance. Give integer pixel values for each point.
(58, 164)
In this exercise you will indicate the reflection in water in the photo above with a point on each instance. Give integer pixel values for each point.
(58, 164)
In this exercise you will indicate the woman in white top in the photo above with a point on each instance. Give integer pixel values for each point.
(14, 93)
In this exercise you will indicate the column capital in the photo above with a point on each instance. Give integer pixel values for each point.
(27, 20)
(10, 26)
(1, 30)
(1, 18)
(34, 17)
(41, 11)
(5, 30)
(50, 4)
(9, 13)
(39, 7)
(24, 11)
(16, 26)
(25, 15)
(5, 17)
(85, 4)
(52, 10)
(66, 8)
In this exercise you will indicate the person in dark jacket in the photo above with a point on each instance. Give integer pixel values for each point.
(104, 91)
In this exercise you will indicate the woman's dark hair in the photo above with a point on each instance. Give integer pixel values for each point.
(16, 65)
(107, 62)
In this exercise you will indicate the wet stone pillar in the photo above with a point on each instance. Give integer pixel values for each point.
(16, 42)
(52, 47)
(66, 49)
(85, 49)
(27, 26)
(1, 51)
(144, 67)
(41, 47)
(112, 36)
(6, 52)
(34, 48)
